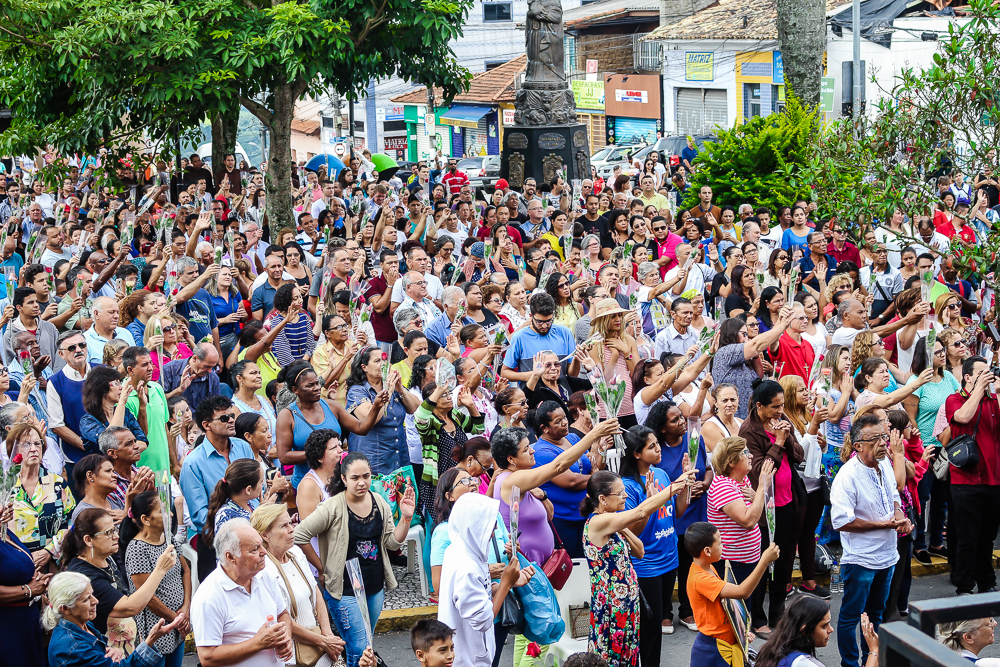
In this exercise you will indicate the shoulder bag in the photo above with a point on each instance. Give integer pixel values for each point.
(963, 452)
(305, 655)
(559, 565)
(511, 616)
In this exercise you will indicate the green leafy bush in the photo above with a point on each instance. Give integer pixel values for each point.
(751, 163)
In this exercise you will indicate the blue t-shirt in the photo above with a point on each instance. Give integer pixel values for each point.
(689, 154)
(527, 342)
(659, 537)
(565, 502)
(200, 314)
(790, 239)
(671, 462)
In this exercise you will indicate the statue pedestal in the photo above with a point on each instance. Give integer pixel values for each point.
(541, 152)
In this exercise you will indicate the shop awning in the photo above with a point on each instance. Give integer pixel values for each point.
(463, 116)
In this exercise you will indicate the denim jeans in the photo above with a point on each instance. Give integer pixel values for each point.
(175, 659)
(346, 615)
(865, 590)
(933, 494)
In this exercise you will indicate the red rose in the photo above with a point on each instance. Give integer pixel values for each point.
(385, 357)
(174, 293)
(48, 269)
(17, 459)
(533, 650)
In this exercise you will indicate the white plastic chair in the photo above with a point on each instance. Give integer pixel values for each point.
(575, 592)
(189, 552)
(415, 557)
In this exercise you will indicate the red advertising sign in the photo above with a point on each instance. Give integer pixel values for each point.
(395, 143)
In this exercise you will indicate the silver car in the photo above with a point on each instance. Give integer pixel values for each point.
(483, 172)
(605, 159)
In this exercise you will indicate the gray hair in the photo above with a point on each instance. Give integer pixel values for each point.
(745, 205)
(845, 306)
(200, 351)
(445, 238)
(63, 591)
(185, 262)
(586, 241)
(205, 244)
(21, 339)
(100, 303)
(8, 416)
(404, 316)
(66, 335)
(452, 296)
(860, 424)
(950, 634)
(108, 440)
(645, 269)
(227, 538)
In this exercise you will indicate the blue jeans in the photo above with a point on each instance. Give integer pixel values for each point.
(175, 659)
(346, 615)
(865, 590)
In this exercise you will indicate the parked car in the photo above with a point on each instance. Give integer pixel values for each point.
(613, 155)
(670, 148)
(483, 172)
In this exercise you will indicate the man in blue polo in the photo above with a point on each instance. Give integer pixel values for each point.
(817, 255)
(541, 335)
(262, 300)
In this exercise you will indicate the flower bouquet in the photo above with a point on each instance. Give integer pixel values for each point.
(157, 331)
(364, 221)
(930, 341)
(548, 266)
(499, 338)
(444, 376)
(793, 279)
(814, 371)
(10, 277)
(694, 444)
(591, 400)
(357, 289)
(8, 485)
(760, 283)
(218, 255)
(611, 391)
(515, 508)
(776, 370)
(926, 280)
(825, 381)
(354, 572)
(769, 513)
(163, 491)
(705, 337)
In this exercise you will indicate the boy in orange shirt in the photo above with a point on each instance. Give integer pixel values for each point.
(716, 643)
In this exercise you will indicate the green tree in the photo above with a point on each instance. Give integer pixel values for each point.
(864, 169)
(750, 162)
(84, 74)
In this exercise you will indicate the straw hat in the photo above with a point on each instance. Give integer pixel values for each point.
(606, 308)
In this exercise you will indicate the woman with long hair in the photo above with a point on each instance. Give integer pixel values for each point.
(355, 523)
(143, 540)
(743, 296)
(948, 314)
(236, 495)
(804, 628)
(815, 333)
(295, 265)
(323, 453)
(617, 354)
(922, 407)
(103, 399)
(868, 344)
(956, 351)
(770, 437)
(657, 569)
(135, 311)
(617, 232)
(166, 347)
(567, 310)
(777, 268)
(772, 300)
(89, 549)
(738, 360)
(227, 300)
(908, 263)
(296, 341)
(469, 374)
(798, 405)
(561, 226)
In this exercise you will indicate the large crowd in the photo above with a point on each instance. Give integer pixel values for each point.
(221, 428)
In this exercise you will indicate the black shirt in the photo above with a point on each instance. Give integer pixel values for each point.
(598, 227)
(364, 542)
(992, 192)
(735, 302)
(109, 588)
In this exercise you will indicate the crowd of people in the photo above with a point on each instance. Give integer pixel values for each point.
(220, 427)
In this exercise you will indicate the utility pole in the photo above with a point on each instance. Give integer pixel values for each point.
(430, 109)
(350, 119)
(858, 78)
(337, 116)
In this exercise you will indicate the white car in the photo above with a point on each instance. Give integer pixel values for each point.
(605, 159)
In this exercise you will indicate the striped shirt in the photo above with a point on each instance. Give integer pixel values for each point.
(295, 341)
(738, 543)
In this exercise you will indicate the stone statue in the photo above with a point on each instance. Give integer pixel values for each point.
(544, 42)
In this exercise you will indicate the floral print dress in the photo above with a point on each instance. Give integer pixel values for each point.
(614, 607)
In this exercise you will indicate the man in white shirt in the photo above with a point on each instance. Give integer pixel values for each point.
(678, 337)
(414, 285)
(884, 282)
(239, 615)
(865, 508)
(418, 261)
(931, 241)
(854, 320)
(770, 231)
(695, 276)
(54, 249)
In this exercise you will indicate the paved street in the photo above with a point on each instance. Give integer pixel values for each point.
(394, 647)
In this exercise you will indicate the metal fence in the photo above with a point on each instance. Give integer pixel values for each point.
(913, 643)
(646, 55)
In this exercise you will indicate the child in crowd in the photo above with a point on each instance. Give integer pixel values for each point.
(716, 642)
(432, 643)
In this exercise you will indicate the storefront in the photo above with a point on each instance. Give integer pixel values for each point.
(589, 99)
(632, 107)
(474, 130)
(396, 147)
(424, 136)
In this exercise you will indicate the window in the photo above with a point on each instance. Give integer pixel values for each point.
(496, 12)
(493, 64)
(327, 121)
(569, 51)
(751, 100)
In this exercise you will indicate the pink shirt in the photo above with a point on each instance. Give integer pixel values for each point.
(668, 249)
(782, 480)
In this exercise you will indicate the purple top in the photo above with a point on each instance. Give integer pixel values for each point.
(533, 523)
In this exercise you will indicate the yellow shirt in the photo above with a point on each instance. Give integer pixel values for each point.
(657, 200)
(323, 358)
(269, 369)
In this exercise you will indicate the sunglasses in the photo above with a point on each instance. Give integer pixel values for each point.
(226, 418)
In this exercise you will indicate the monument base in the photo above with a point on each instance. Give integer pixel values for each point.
(541, 152)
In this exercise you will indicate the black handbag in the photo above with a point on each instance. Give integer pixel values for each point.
(511, 616)
(963, 452)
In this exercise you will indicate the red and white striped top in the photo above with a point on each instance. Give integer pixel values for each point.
(738, 543)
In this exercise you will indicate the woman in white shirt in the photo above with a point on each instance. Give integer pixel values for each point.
(815, 332)
(285, 562)
(969, 638)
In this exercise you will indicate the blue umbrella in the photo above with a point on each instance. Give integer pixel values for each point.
(333, 164)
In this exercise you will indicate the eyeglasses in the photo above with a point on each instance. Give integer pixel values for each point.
(540, 323)
(954, 306)
(339, 327)
(883, 438)
(465, 481)
(107, 533)
(226, 418)
(745, 452)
